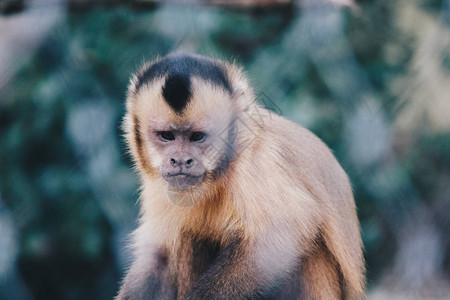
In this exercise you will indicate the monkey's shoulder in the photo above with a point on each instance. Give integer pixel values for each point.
(292, 139)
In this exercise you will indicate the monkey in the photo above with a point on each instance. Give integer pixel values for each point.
(236, 202)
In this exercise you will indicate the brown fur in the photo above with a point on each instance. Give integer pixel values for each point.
(322, 277)
(281, 215)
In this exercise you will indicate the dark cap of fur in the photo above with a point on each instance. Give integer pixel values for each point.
(180, 68)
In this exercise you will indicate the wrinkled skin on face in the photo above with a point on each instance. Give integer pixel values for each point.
(181, 152)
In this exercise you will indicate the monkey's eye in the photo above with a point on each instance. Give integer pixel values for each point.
(198, 137)
(166, 135)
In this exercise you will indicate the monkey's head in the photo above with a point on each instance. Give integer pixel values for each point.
(181, 118)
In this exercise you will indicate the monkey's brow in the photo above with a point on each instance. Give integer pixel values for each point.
(174, 127)
(181, 127)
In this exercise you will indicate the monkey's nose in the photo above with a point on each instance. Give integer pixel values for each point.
(183, 162)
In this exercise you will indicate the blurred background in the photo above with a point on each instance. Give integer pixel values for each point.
(370, 77)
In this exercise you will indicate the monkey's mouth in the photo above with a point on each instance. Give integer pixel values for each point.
(182, 181)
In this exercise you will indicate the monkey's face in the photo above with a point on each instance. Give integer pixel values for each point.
(189, 147)
(181, 152)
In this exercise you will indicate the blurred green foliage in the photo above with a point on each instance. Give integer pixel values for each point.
(66, 212)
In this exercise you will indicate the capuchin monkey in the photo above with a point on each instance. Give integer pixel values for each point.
(236, 202)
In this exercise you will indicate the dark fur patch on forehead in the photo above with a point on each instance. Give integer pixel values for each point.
(180, 68)
(177, 91)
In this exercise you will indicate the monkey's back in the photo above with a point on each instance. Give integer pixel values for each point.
(318, 176)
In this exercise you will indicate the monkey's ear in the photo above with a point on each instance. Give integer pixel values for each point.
(134, 83)
(237, 94)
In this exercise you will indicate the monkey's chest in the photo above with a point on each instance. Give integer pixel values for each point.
(196, 254)
(192, 259)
